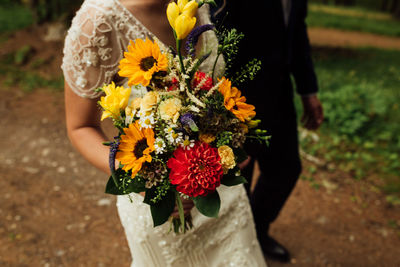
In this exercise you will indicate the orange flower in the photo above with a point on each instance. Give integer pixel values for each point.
(235, 102)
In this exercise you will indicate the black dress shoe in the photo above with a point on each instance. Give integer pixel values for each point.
(272, 249)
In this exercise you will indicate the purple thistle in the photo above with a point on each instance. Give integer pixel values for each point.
(187, 119)
(193, 37)
(113, 151)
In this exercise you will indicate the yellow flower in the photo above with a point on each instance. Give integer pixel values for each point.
(206, 137)
(253, 123)
(135, 147)
(143, 59)
(115, 100)
(227, 158)
(169, 109)
(181, 17)
(149, 100)
(184, 25)
(132, 107)
(182, 4)
(172, 13)
(235, 102)
(190, 8)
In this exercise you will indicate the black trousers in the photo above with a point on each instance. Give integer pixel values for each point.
(279, 162)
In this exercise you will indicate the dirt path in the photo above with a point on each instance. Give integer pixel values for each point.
(335, 38)
(53, 211)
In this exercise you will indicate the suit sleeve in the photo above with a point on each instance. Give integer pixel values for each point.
(302, 66)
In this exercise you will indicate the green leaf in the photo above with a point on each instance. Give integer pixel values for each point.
(162, 210)
(208, 205)
(233, 178)
(111, 188)
(136, 185)
(125, 184)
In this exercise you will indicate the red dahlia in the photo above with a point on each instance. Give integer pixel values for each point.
(197, 171)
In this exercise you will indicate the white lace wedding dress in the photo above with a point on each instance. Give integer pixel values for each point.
(99, 34)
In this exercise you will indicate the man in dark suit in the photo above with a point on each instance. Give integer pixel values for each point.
(275, 32)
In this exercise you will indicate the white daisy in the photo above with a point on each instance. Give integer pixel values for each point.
(187, 143)
(175, 138)
(159, 145)
(147, 121)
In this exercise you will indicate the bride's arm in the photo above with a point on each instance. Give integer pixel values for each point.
(83, 128)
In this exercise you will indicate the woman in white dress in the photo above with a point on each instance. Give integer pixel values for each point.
(95, 43)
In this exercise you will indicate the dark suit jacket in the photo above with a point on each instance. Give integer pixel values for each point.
(283, 50)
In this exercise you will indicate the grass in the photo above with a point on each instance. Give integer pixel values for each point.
(352, 19)
(359, 89)
(18, 69)
(14, 17)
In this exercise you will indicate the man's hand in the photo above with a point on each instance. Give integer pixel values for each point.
(313, 114)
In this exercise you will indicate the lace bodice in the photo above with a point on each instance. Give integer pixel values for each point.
(97, 38)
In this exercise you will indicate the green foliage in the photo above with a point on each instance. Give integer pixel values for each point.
(354, 19)
(19, 70)
(161, 211)
(124, 184)
(361, 133)
(229, 45)
(367, 4)
(208, 205)
(14, 17)
(224, 138)
(248, 72)
(233, 178)
(22, 54)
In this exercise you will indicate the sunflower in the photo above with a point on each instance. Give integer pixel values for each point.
(135, 147)
(235, 102)
(142, 60)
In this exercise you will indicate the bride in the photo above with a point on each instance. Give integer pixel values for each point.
(93, 48)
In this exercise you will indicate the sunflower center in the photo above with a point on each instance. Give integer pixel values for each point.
(147, 63)
(140, 146)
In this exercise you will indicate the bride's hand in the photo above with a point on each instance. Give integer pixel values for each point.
(187, 207)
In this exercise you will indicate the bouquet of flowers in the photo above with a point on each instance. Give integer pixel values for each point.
(183, 138)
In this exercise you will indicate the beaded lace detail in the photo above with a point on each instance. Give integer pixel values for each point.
(98, 36)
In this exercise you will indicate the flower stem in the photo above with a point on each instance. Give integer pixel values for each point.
(178, 48)
(215, 65)
(180, 210)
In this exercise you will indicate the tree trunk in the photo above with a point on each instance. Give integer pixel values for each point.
(396, 11)
(393, 6)
(384, 5)
(345, 2)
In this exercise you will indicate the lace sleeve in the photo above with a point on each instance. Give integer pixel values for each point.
(91, 51)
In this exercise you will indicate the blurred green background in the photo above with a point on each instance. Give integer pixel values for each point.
(359, 86)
